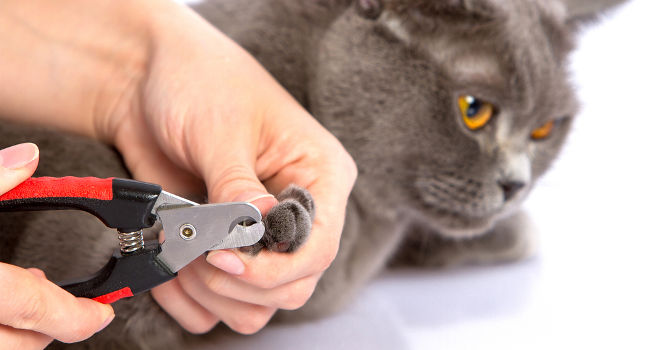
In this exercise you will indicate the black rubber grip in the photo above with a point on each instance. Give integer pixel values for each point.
(123, 276)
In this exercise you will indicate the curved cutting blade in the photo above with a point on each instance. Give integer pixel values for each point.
(193, 230)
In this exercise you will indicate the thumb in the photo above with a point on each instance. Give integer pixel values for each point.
(237, 182)
(17, 164)
(31, 302)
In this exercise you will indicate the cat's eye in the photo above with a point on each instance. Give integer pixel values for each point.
(476, 112)
(543, 131)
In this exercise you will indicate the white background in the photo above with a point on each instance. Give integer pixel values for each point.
(587, 286)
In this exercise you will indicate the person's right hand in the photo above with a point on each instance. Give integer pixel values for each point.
(33, 310)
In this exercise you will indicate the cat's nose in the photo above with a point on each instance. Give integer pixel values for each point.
(510, 188)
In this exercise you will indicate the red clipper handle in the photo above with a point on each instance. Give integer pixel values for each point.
(69, 186)
(122, 204)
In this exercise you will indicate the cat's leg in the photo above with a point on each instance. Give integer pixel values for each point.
(511, 239)
(368, 240)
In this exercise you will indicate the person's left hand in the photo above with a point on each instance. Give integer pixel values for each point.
(33, 310)
(205, 109)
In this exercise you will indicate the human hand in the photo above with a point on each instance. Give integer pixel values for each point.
(184, 105)
(205, 109)
(33, 310)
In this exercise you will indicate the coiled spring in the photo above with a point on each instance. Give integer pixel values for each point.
(130, 241)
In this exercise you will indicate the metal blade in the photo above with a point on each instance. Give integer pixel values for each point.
(191, 231)
(237, 238)
(168, 200)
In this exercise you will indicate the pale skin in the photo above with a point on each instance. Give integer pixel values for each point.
(190, 110)
(34, 311)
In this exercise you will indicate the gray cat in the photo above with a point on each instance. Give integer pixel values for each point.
(452, 110)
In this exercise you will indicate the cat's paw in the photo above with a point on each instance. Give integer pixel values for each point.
(288, 224)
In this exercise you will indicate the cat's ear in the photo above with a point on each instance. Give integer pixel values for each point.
(475, 10)
(580, 11)
(372, 9)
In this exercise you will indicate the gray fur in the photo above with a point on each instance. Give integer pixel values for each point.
(74, 244)
(287, 224)
(584, 10)
(383, 76)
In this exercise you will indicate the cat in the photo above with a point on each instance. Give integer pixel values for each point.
(452, 109)
(385, 77)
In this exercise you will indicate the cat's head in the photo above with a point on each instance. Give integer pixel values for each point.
(451, 108)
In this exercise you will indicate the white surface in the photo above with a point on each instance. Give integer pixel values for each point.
(588, 285)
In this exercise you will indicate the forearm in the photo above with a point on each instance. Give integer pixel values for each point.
(64, 63)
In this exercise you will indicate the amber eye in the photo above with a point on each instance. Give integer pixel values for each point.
(476, 113)
(543, 131)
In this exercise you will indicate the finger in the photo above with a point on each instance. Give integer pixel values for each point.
(20, 339)
(187, 312)
(17, 164)
(174, 300)
(236, 182)
(33, 303)
(36, 272)
(330, 191)
(289, 296)
(233, 179)
(320, 164)
(241, 317)
(271, 269)
(229, 172)
(228, 261)
(148, 163)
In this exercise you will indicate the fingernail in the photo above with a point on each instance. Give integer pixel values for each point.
(226, 261)
(251, 197)
(268, 195)
(263, 201)
(107, 322)
(18, 156)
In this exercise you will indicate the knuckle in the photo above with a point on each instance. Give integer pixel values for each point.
(172, 129)
(342, 163)
(217, 283)
(327, 256)
(251, 322)
(200, 327)
(31, 311)
(297, 295)
(350, 166)
(266, 283)
(228, 175)
(267, 280)
(77, 331)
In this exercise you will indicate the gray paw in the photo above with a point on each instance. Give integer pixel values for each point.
(288, 224)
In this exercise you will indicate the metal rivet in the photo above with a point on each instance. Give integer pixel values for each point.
(187, 232)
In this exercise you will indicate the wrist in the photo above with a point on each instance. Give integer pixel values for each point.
(63, 62)
(162, 28)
